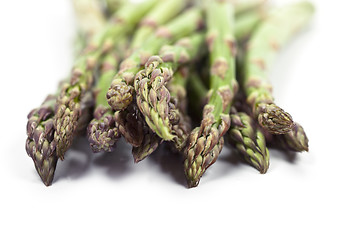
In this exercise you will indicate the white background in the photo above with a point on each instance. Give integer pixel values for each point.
(315, 196)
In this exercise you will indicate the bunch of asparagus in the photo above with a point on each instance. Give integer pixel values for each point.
(145, 70)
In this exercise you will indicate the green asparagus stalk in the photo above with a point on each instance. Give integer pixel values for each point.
(68, 110)
(159, 70)
(149, 144)
(127, 122)
(177, 89)
(87, 109)
(130, 124)
(114, 5)
(197, 92)
(102, 132)
(247, 22)
(249, 140)
(157, 17)
(40, 143)
(244, 6)
(121, 91)
(206, 141)
(150, 141)
(272, 34)
(181, 129)
(295, 140)
(244, 134)
(89, 16)
(152, 96)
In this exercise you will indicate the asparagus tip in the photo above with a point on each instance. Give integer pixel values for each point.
(275, 119)
(193, 183)
(120, 96)
(102, 132)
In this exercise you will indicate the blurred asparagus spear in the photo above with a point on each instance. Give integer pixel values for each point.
(89, 16)
(263, 46)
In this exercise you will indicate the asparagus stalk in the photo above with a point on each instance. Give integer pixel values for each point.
(128, 123)
(102, 132)
(244, 6)
(205, 142)
(152, 96)
(272, 34)
(89, 16)
(131, 125)
(151, 81)
(244, 134)
(249, 140)
(157, 17)
(197, 92)
(149, 144)
(178, 93)
(121, 91)
(295, 140)
(181, 129)
(247, 22)
(68, 110)
(40, 144)
(114, 5)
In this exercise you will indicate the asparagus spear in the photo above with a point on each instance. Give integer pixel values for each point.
(157, 17)
(40, 144)
(68, 109)
(149, 144)
(177, 89)
(102, 132)
(249, 140)
(197, 92)
(244, 6)
(272, 34)
(128, 123)
(121, 91)
(295, 140)
(89, 16)
(149, 140)
(244, 134)
(153, 98)
(181, 129)
(247, 22)
(159, 70)
(205, 142)
(113, 5)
